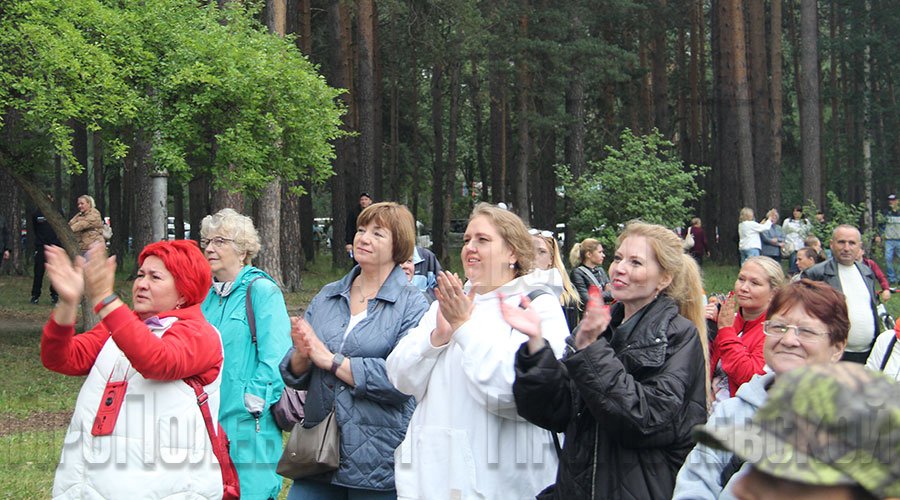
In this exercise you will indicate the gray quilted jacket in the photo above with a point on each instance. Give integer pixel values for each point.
(373, 415)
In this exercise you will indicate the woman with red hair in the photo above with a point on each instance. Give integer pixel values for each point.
(137, 430)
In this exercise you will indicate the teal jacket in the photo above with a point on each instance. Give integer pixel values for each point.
(251, 380)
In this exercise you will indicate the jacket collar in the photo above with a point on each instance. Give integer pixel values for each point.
(643, 327)
(389, 291)
(830, 268)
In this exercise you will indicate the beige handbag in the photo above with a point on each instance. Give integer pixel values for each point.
(311, 451)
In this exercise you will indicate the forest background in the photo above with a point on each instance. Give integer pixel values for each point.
(173, 107)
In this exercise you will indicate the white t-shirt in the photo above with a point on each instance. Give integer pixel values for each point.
(354, 320)
(859, 308)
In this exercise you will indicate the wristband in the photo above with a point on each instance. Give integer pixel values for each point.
(336, 362)
(105, 302)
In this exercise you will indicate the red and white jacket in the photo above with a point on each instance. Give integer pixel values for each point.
(159, 447)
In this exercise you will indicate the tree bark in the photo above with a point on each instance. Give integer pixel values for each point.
(365, 96)
(11, 211)
(198, 196)
(695, 40)
(735, 57)
(810, 132)
(99, 173)
(479, 129)
(439, 237)
(769, 194)
(658, 71)
(78, 183)
(498, 126)
(521, 203)
(177, 190)
(292, 258)
(775, 47)
(339, 78)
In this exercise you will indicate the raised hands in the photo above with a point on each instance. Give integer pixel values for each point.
(596, 319)
(455, 307)
(726, 313)
(309, 348)
(99, 273)
(525, 319)
(66, 277)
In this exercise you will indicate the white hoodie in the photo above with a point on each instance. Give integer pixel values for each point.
(465, 439)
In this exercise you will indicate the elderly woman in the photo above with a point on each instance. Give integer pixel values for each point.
(137, 430)
(339, 354)
(254, 345)
(634, 381)
(546, 258)
(465, 440)
(736, 353)
(807, 323)
(87, 224)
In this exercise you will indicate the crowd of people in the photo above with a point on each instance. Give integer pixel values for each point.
(518, 380)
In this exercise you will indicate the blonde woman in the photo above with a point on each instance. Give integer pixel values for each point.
(546, 258)
(750, 244)
(587, 263)
(634, 380)
(465, 439)
(87, 224)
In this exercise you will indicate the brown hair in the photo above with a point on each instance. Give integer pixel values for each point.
(580, 251)
(514, 233)
(398, 220)
(821, 301)
(809, 253)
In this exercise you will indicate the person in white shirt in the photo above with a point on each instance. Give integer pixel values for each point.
(857, 282)
(748, 230)
(465, 439)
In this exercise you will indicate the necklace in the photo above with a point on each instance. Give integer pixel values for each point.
(365, 297)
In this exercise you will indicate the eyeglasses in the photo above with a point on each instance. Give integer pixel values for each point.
(778, 330)
(217, 242)
(544, 232)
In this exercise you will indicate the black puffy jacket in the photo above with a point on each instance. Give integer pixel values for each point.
(627, 404)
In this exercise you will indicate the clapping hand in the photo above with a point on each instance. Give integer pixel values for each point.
(455, 307)
(99, 273)
(726, 314)
(525, 319)
(66, 277)
(596, 320)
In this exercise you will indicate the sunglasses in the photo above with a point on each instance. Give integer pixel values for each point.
(544, 233)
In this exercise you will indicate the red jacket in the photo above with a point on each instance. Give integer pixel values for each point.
(879, 274)
(190, 348)
(741, 356)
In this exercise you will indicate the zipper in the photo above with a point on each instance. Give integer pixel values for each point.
(594, 461)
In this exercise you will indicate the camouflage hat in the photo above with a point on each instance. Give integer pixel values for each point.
(824, 425)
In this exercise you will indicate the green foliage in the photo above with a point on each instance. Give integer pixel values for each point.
(643, 179)
(209, 88)
(838, 213)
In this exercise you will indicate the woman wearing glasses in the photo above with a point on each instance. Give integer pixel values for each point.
(251, 380)
(807, 323)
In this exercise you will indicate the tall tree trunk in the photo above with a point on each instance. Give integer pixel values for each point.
(414, 102)
(143, 218)
(365, 96)
(763, 153)
(775, 61)
(78, 183)
(292, 258)
(574, 141)
(394, 75)
(498, 126)
(867, 122)
(475, 86)
(646, 107)
(306, 219)
(339, 78)
(521, 201)
(694, 83)
(118, 245)
(177, 190)
(11, 210)
(268, 207)
(810, 133)
(99, 172)
(705, 111)
(439, 237)
(452, 167)
(658, 71)
(198, 197)
(735, 57)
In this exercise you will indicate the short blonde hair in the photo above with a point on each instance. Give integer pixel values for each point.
(514, 233)
(772, 269)
(89, 199)
(398, 220)
(238, 227)
(746, 214)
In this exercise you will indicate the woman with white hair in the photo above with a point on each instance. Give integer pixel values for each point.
(87, 224)
(254, 345)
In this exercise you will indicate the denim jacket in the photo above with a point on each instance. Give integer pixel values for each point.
(372, 415)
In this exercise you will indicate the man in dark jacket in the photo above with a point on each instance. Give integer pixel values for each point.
(857, 282)
(43, 235)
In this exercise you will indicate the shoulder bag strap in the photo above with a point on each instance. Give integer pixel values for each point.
(251, 319)
(591, 276)
(887, 354)
(219, 441)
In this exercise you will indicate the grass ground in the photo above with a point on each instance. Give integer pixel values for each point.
(36, 404)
